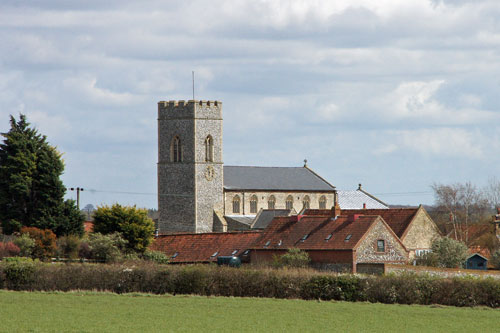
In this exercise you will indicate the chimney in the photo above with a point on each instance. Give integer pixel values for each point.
(336, 206)
(359, 187)
(364, 205)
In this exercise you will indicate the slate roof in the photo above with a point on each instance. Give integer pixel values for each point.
(355, 200)
(274, 178)
(289, 232)
(192, 248)
(239, 222)
(265, 216)
(397, 218)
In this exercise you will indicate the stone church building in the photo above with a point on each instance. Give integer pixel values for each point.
(197, 193)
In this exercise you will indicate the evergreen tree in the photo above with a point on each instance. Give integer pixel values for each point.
(31, 192)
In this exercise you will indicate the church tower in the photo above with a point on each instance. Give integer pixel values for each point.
(190, 167)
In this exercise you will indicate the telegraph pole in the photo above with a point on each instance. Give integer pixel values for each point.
(77, 189)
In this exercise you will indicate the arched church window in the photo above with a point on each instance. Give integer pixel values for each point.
(236, 204)
(306, 202)
(253, 204)
(289, 202)
(271, 202)
(209, 149)
(322, 202)
(176, 150)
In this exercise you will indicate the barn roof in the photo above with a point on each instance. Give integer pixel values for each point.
(274, 178)
(191, 247)
(398, 219)
(315, 232)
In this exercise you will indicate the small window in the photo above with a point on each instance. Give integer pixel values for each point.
(380, 245)
(175, 255)
(306, 202)
(234, 252)
(246, 252)
(253, 204)
(236, 204)
(176, 150)
(216, 253)
(209, 149)
(271, 202)
(289, 202)
(304, 237)
(328, 237)
(267, 243)
(322, 202)
(348, 237)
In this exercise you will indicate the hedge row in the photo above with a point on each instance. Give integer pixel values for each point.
(246, 282)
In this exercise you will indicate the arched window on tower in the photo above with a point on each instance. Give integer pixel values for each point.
(289, 202)
(306, 202)
(253, 204)
(271, 202)
(322, 202)
(176, 150)
(236, 204)
(209, 149)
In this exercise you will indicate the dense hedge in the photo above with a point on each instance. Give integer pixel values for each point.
(223, 281)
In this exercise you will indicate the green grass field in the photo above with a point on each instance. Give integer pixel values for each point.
(103, 312)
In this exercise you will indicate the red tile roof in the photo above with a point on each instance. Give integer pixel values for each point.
(397, 218)
(192, 248)
(88, 226)
(290, 232)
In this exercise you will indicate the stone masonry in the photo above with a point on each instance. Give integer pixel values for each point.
(190, 190)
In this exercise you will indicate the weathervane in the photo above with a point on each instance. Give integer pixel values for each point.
(305, 163)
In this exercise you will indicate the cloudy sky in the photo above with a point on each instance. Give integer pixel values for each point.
(395, 95)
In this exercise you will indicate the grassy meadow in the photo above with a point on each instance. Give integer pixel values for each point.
(106, 312)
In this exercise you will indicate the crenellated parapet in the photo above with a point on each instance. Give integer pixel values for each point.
(190, 108)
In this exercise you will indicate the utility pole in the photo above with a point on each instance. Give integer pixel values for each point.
(78, 189)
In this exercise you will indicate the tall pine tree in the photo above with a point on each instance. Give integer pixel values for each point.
(31, 192)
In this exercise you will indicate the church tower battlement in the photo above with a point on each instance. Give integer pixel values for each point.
(190, 166)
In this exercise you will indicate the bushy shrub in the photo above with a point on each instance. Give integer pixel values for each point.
(133, 223)
(155, 256)
(294, 258)
(449, 252)
(45, 242)
(8, 249)
(26, 245)
(19, 273)
(495, 259)
(106, 248)
(68, 246)
(84, 251)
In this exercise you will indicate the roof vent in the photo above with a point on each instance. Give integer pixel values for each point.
(328, 237)
(174, 255)
(304, 237)
(348, 237)
(213, 255)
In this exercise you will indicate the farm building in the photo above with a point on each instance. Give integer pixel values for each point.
(342, 243)
(476, 261)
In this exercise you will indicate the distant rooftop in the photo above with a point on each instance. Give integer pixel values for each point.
(274, 178)
(358, 199)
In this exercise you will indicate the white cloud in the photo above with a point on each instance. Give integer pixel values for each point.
(86, 87)
(417, 101)
(439, 142)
